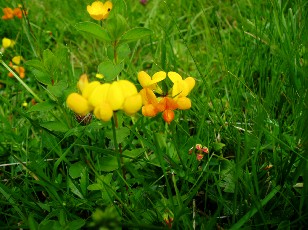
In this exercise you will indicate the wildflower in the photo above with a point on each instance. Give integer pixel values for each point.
(104, 99)
(17, 59)
(24, 104)
(99, 76)
(167, 102)
(199, 150)
(19, 69)
(168, 217)
(7, 43)
(99, 10)
(8, 13)
(18, 13)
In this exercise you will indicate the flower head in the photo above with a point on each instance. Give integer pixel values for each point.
(104, 99)
(175, 98)
(19, 69)
(7, 43)
(99, 10)
(8, 13)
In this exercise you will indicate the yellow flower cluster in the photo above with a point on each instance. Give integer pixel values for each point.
(175, 98)
(104, 99)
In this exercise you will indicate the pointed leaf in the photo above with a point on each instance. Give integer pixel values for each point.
(93, 29)
(135, 34)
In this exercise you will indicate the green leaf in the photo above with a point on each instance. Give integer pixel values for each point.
(135, 34)
(108, 164)
(116, 27)
(95, 187)
(109, 70)
(77, 169)
(93, 29)
(55, 126)
(36, 64)
(57, 89)
(217, 146)
(75, 224)
(50, 60)
(42, 107)
(42, 76)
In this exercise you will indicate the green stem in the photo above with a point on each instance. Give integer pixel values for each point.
(118, 148)
(37, 98)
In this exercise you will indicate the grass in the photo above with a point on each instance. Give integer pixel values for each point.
(249, 107)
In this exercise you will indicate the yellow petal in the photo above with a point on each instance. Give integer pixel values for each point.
(17, 59)
(159, 76)
(83, 82)
(115, 96)
(78, 104)
(183, 103)
(99, 94)
(148, 97)
(103, 112)
(128, 88)
(190, 84)
(132, 104)
(89, 88)
(174, 77)
(144, 79)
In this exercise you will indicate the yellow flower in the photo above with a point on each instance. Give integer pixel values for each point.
(175, 99)
(105, 98)
(6, 43)
(17, 59)
(99, 76)
(99, 10)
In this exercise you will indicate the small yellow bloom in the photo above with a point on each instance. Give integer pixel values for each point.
(99, 76)
(132, 104)
(6, 43)
(103, 111)
(24, 104)
(17, 59)
(99, 10)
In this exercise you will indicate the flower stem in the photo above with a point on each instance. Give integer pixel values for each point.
(118, 148)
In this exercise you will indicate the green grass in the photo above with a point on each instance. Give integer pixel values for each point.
(249, 107)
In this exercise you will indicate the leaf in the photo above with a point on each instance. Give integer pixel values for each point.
(217, 146)
(108, 164)
(93, 29)
(95, 187)
(75, 224)
(42, 76)
(50, 60)
(58, 88)
(121, 133)
(42, 107)
(77, 169)
(109, 70)
(55, 126)
(36, 64)
(135, 34)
